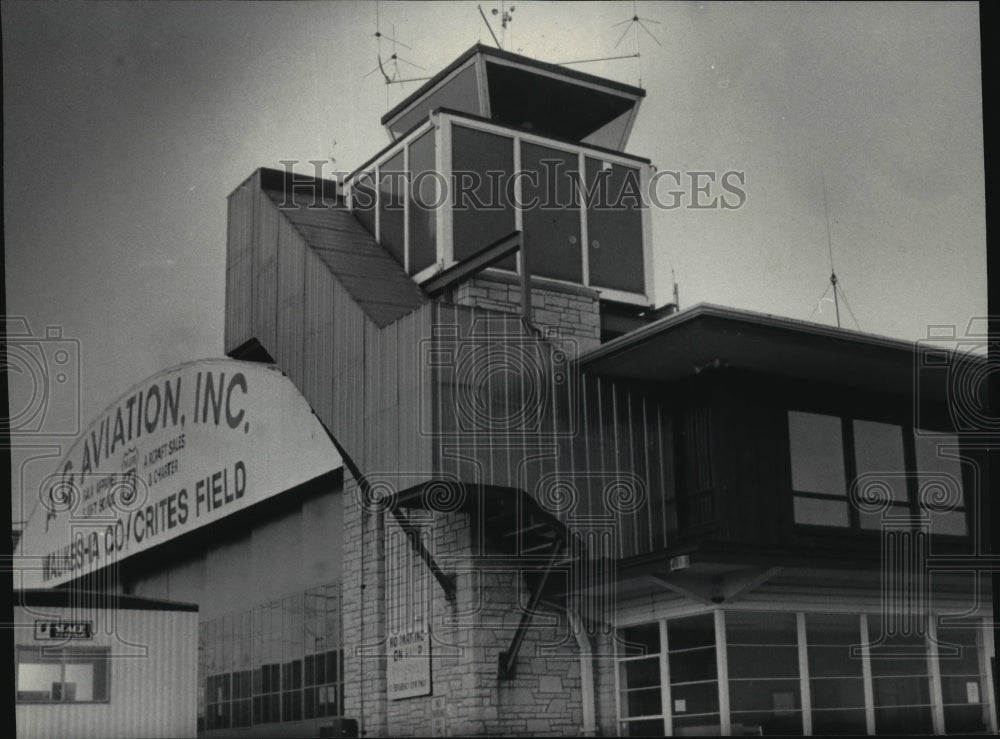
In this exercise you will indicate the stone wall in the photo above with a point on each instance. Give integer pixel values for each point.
(571, 310)
(467, 635)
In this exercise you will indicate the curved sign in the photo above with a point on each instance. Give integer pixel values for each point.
(189, 446)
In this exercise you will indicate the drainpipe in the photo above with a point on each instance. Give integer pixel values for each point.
(586, 673)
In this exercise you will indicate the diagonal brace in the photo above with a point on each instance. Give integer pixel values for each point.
(412, 533)
(509, 658)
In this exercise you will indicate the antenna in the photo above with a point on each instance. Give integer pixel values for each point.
(634, 24)
(838, 290)
(392, 76)
(506, 18)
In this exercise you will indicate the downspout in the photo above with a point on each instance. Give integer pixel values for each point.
(587, 691)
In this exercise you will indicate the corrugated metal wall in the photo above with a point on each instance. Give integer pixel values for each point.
(153, 671)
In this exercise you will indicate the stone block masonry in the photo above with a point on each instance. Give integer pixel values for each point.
(467, 635)
(571, 310)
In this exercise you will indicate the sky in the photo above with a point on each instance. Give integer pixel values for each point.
(126, 125)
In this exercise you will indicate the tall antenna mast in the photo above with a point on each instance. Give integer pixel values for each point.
(829, 245)
(838, 291)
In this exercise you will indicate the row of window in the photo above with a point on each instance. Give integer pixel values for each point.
(553, 197)
(787, 673)
(895, 474)
(279, 661)
(302, 689)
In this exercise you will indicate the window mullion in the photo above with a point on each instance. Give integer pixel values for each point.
(850, 471)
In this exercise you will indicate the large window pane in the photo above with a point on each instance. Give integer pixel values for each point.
(836, 681)
(552, 222)
(640, 640)
(690, 632)
(693, 671)
(900, 683)
(423, 202)
(614, 226)
(939, 482)
(391, 183)
(363, 200)
(820, 511)
(749, 628)
(77, 675)
(878, 448)
(763, 667)
(817, 453)
(963, 684)
(482, 164)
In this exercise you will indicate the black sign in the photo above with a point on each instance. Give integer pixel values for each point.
(63, 630)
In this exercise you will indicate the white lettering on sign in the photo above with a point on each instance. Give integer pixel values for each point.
(408, 672)
(187, 447)
(63, 630)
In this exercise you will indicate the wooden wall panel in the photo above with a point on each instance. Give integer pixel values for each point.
(239, 267)
(318, 333)
(265, 271)
(290, 314)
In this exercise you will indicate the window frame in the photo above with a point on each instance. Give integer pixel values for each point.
(911, 472)
(65, 655)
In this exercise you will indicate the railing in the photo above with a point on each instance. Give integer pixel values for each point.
(457, 183)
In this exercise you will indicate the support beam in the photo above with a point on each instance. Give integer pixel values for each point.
(509, 658)
(475, 264)
(412, 533)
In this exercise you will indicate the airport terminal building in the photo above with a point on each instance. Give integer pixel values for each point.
(463, 474)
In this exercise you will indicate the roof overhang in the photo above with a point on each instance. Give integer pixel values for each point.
(708, 336)
(551, 99)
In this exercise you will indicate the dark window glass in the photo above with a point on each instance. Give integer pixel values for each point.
(763, 661)
(423, 188)
(644, 702)
(642, 728)
(817, 454)
(390, 204)
(704, 725)
(695, 698)
(310, 669)
(878, 448)
(690, 632)
(641, 673)
(614, 227)
(331, 666)
(693, 665)
(482, 163)
(551, 214)
(639, 640)
(839, 722)
(939, 482)
(363, 200)
(748, 628)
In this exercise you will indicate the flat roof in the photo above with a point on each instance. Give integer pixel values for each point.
(506, 56)
(711, 336)
(84, 599)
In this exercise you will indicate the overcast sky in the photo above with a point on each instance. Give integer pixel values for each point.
(126, 125)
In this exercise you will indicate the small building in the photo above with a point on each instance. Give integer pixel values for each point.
(104, 665)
